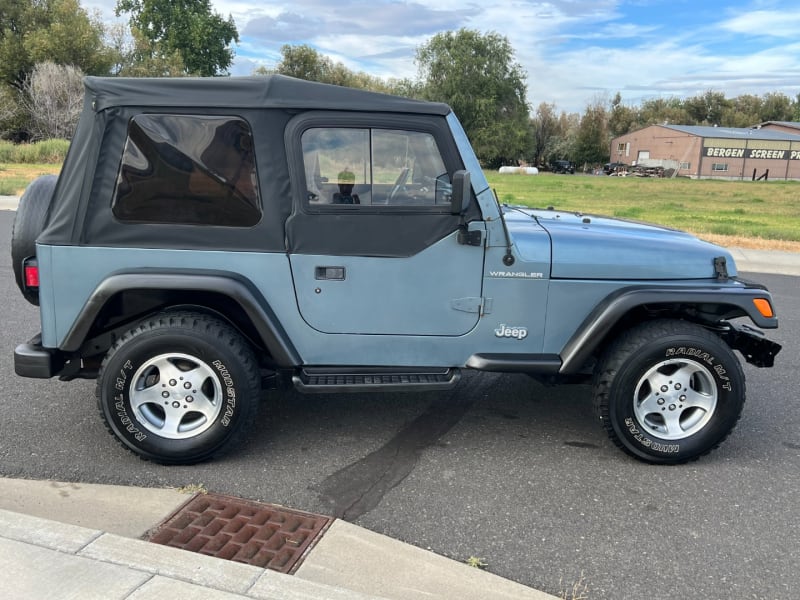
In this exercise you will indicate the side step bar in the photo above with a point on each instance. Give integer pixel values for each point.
(320, 380)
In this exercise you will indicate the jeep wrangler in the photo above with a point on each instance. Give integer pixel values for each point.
(209, 237)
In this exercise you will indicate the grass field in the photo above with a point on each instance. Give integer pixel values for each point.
(14, 177)
(728, 212)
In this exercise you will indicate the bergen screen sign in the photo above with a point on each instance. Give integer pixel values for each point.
(752, 153)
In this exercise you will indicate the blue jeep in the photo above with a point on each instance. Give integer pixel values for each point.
(196, 248)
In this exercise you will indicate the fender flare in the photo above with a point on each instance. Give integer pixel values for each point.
(239, 290)
(614, 307)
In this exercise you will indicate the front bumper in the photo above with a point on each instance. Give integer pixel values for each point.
(32, 360)
(751, 342)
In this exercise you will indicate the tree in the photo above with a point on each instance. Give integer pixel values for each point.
(477, 76)
(52, 98)
(742, 111)
(776, 107)
(137, 57)
(592, 143)
(708, 108)
(622, 119)
(59, 31)
(188, 27)
(563, 145)
(11, 118)
(304, 62)
(545, 128)
(663, 111)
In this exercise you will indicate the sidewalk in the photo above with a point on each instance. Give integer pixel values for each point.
(67, 540)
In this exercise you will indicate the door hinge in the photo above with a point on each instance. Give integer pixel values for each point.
(482, 306)
(470, 238)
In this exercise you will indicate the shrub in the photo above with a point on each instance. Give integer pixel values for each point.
(46, 151)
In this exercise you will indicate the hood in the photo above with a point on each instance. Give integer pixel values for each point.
(593, 247)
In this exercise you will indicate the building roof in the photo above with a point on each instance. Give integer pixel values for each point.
(736, 133)
(792, 124)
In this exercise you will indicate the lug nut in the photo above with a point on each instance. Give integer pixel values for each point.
(165, 394)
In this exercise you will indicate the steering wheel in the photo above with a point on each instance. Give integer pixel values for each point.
(401, 181)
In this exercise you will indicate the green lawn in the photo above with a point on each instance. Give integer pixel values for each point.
(767, 210)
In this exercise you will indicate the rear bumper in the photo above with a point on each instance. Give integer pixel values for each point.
(32, 360)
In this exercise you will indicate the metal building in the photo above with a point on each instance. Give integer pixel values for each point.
(770, 150)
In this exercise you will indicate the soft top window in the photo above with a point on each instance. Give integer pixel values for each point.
(188, 169)
(373, 167)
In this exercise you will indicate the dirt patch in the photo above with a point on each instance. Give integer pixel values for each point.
(735, 241)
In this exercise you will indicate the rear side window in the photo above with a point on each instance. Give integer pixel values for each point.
(188, 169)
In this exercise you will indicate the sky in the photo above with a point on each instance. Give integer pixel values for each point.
(575, 52)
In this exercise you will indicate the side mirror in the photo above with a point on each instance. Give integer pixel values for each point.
(462, 193)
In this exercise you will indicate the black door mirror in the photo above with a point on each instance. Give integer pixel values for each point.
(462, 193)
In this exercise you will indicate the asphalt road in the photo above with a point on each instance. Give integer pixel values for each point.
(502, 468)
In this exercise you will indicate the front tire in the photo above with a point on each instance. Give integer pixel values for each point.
(179, 388)
(668, 392)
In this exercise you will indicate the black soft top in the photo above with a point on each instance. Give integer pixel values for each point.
(272, 91)
(80, 213)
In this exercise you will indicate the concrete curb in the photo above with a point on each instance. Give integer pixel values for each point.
(75, 540)
(9, 202)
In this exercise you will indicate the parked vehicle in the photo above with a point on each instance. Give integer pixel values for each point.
(208, 238)
(614, 168)
(562, 166)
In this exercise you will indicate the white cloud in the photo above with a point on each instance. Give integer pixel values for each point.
(572, 50)
(772, 23)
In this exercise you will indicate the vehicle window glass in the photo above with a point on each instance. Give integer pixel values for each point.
(373, 167)
(188, 169)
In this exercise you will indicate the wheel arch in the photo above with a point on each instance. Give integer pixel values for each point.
(628, 307)
(138, 294)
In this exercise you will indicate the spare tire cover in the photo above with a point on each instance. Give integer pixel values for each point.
(28, 224)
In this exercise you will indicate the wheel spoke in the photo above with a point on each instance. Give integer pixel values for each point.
(649, 404)
(205, 405)
(672, 423)
(172, 422)
(166, 368)
(696, 399)
(149, 395)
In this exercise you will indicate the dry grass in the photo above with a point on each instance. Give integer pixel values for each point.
(15, 177)
(737, 241)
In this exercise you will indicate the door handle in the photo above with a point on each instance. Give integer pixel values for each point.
(329, 273)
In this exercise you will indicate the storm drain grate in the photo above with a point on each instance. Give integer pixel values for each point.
(254, 533)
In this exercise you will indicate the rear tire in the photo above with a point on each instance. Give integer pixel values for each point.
(669, 391)
(179, 388)
(28, 224)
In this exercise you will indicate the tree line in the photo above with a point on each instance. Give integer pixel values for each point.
(46, 46)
